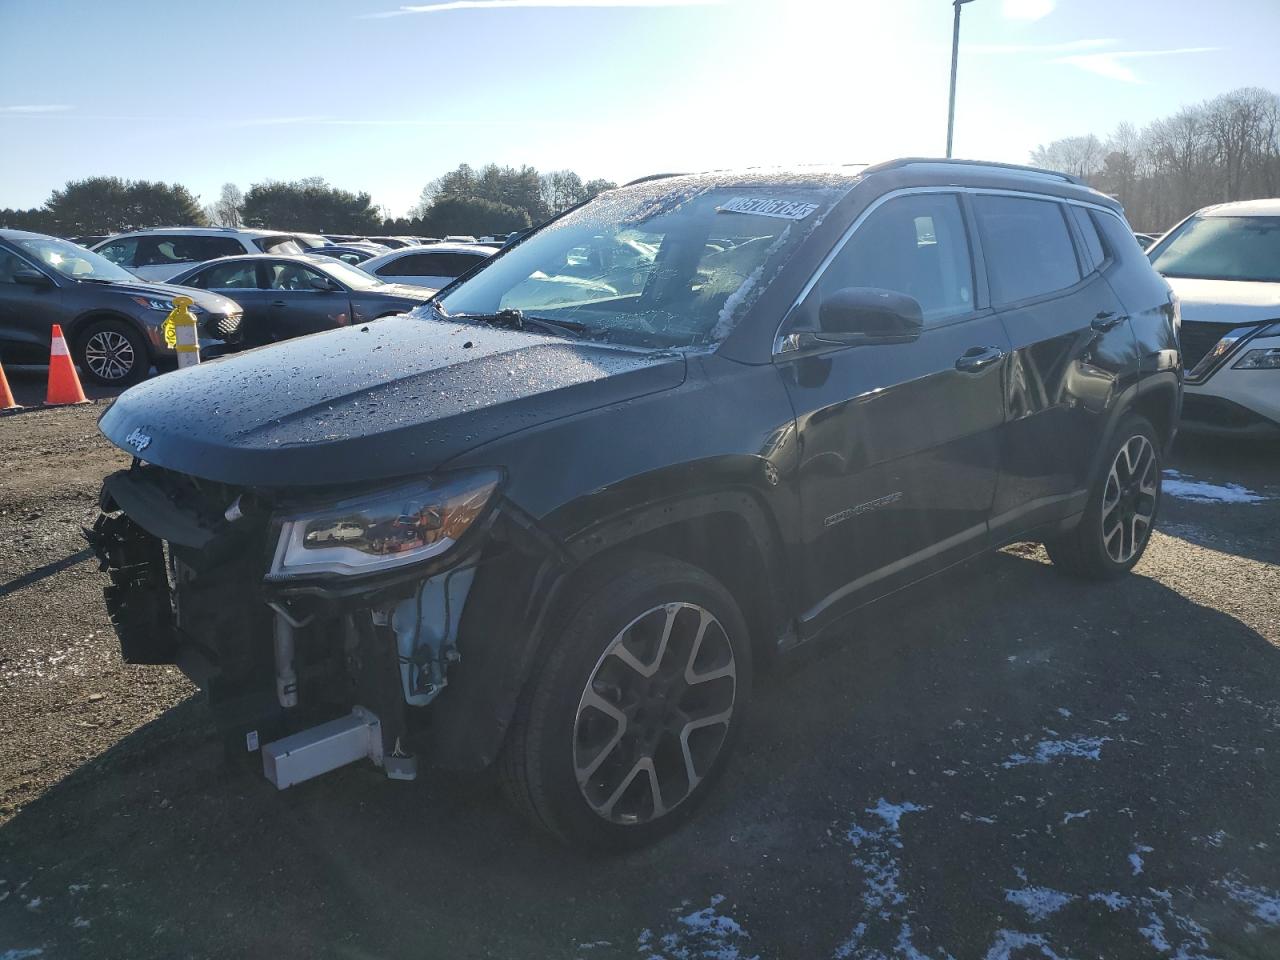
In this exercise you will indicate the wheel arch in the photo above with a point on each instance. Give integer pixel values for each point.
(75, 328)
(533, 578)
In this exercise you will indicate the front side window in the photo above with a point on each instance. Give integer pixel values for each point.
(120, 252)
(1223, 248)
(9, 265)
(292, 276)
(74, 261)
(1027, 247)
(279, 245)
(672, 262)
(915, 245)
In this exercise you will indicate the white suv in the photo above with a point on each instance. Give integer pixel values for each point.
(164, 252)
(1223, 262)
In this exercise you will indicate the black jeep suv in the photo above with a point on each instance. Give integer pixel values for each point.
(560, 516)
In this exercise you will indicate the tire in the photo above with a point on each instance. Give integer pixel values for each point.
(1124, 501)
(112, 353)
(590, 708)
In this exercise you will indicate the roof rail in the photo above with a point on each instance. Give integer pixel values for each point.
(1016, 167)
(652, 176)
(186, 226)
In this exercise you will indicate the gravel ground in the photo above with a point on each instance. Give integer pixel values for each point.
(1004, 764)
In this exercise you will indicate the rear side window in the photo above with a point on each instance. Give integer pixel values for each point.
(1027, 247)
(1094, 254)
(429, 265)
(228, 276)
(211, 248)
(1117, 238)
(121, 252)
(915, 245)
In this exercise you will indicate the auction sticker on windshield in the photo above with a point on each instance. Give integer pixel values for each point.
(765, 207)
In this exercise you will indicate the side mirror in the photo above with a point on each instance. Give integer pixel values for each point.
(869, 315)
(323, 283)
(31, 278)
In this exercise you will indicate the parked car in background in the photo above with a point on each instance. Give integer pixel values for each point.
(1145, 239)
(288, 296)
(112, 320)
(90, 240)
(460, 238)
(350, 253)
(431, 266)
(563, 540)
(1223, 262)
(395, 243)
(164, 252)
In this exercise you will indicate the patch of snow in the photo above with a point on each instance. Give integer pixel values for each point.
(1039, 902)
(1265, 903)
(1075, 816)
(22, 954)
(1199, 491)
(77, 887)
(704, 934)
(1012, 943)
(1065, 712)
(582, 946)
(80, 923)
(1046, 751)
(1113, 900)
(1135, 858)
(34, 903)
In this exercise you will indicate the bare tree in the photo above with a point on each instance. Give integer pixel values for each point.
(227, 210)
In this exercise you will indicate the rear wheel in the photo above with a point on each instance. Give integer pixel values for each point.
(630, 720)
(1116, 527)
(112, 353)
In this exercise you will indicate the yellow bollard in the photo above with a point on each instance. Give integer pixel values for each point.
(181, 334)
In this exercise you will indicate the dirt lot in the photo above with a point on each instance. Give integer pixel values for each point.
(1006, 764)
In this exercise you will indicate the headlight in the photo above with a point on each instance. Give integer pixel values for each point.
(159, 303)
(1268, 358)
(384, 530)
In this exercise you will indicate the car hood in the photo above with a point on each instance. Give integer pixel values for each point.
(212, 302)
(406, 290)
(393, 398)
(1226, 301)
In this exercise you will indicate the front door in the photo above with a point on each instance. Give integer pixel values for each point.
(303, 300)
(899, 442)
(27, 313)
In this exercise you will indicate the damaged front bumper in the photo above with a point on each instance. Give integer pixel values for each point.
(319, 665)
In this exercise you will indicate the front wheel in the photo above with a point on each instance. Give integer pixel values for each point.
(112, 353)
(1116, 526)
(633, 713)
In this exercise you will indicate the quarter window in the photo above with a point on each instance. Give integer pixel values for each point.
(1092, 242)
(9, 265)
(1027, 247)
(915, 245)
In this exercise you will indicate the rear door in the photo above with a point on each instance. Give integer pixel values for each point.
(1073, 352)
(899, 441)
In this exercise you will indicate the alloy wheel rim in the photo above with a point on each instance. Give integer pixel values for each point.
(109, 355)
(655, 713)
(1129, 499)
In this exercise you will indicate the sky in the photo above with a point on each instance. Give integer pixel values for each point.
(379, 96)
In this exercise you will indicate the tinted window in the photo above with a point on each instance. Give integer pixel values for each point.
(429, 265)
(9, 264)
(1027, 247)
(1117, 239)
(121, 251)
(292, 276)
(1092, 242)
(167, 250)
(286, 245)
(210, 248)
(240, 275)
(914, 245)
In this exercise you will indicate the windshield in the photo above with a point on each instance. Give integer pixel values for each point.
(74, 261)
(1223, 248)
(667, 263)
(353, 277)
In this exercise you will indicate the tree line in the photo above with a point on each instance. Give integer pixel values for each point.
(1225, 148)
(488, 200)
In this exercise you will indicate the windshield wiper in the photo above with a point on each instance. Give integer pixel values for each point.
(519, 320)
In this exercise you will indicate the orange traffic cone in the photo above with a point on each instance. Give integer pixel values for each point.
(6, 395)
(64, 385)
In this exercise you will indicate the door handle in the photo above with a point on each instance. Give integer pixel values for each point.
(978, 358)
(279, 303)
(1107, 320)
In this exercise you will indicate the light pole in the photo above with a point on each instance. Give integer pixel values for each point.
(955, 54)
